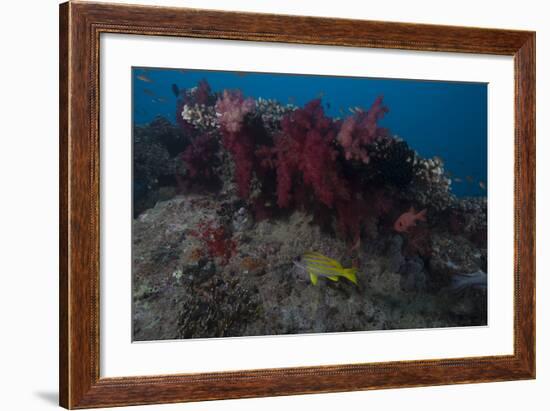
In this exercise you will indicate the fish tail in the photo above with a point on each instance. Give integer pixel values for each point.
(313, 278)
(350, 274)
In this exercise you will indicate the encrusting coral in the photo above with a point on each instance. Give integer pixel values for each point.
(392, 161)
(194, 107)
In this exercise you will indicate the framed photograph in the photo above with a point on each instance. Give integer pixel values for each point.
(258, 205)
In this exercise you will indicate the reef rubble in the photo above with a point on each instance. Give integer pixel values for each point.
(183, 292)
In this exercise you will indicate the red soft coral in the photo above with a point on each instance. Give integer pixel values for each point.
(364, 209)
(360, 130)
(200, 157)
(231, 110)
(202, 94)
(241, 147)
(286, 165)
(306, 155)
(216, 239)
(352, 214)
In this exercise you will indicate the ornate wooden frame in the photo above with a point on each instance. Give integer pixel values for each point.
(80, 27)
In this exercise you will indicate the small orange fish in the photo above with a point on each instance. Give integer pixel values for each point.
(408, 220)
(469, 179)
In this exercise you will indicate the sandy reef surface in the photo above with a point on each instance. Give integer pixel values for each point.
(182, 292)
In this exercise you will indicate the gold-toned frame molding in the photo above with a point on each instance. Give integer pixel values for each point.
(80, 27)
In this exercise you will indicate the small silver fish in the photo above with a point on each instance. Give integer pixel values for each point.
(144, 78)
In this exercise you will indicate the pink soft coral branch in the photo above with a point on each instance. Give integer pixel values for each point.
(231, 109)
(360, 130)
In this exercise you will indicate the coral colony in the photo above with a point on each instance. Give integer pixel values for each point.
(349, 169)
(250, 212)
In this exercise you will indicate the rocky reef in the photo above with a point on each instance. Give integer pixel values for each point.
(227, 200)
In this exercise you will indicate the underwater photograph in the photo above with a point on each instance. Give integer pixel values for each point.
(272, 204)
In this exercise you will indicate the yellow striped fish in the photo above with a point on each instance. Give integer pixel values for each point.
(317, 265)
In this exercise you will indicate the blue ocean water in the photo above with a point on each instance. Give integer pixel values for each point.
(436, 118)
